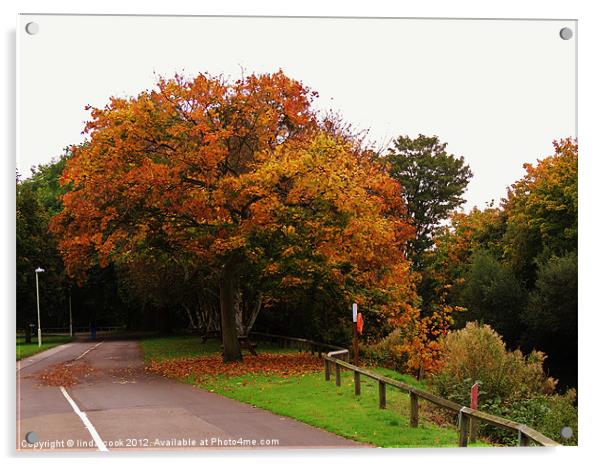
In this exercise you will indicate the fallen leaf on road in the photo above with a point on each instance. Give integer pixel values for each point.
(65, 374)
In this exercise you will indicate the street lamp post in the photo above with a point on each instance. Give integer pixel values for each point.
(39, 270)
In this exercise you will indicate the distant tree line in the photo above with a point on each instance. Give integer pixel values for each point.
(515, 266)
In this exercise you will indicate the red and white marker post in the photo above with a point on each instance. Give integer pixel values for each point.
(356, 345)
(474, 404)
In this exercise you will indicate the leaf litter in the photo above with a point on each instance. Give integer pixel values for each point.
(199, 368)
(65, 374)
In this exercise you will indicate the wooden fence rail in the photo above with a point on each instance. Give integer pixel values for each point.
(301, 344)
(336, 359)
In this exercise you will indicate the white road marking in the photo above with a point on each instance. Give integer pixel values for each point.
(88, 350)
(99, 443)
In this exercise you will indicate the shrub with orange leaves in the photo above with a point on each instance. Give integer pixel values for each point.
(414, 346)
(422, 340)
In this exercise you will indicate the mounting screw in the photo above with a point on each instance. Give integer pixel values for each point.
(566, 33)
(31, 437)
(566, 432)
(32, 28)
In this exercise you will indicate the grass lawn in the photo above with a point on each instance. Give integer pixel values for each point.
(310, 399)
(187, 346)
(24, 350)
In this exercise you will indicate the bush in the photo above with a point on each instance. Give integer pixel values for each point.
(388, 352)
(511, 385)
(562, 412)
(478, 354)
(547, 414)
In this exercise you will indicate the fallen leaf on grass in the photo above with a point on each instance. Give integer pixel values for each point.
(282, 365)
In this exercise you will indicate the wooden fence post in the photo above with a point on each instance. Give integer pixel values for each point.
(413, 410)
(382, 395)
(337, 371)
(356, 379)
(463, 435)
(473, 429)
(327, 369)
(523, 440)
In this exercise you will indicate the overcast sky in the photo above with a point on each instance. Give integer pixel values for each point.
(498, 92)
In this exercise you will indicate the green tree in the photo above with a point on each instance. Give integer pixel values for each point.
(38, 198)
(446, 265)
(493, 295)
(36, 248)
(433, 183)
(45, 183)
(551, 316)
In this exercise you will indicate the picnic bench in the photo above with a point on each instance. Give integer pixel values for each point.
(244, 340)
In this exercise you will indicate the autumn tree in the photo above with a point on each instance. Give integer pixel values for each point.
(239, 176)
(541, 246)
(433, 183)
(446, 265)
(542, 210)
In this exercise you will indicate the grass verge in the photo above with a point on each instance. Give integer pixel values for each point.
(24, 350)
(310, 399)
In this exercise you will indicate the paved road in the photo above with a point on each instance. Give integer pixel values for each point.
(120, 407)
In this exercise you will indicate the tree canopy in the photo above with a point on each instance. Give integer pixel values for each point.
(238, 177)
(433, 184)
(542, 210)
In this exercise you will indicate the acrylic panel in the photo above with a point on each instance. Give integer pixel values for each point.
(298, 232)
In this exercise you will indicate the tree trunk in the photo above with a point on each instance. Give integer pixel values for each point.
(238, 311)
(254, 314)
(227, 296)
(193, 325)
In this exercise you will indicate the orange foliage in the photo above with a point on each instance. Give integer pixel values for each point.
(217, 170)
(168, 163)
(542, 206)
(421, 339)
(283, 365)
(65, 374)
